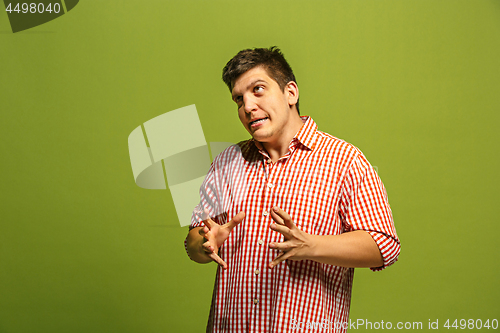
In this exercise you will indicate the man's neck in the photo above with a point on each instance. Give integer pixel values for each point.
(279, 148)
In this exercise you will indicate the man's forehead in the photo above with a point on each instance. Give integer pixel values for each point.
(250, 78)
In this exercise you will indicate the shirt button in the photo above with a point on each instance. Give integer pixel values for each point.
(270, 185)
(265, 213)
(255, 301)
(257, 272)
(269, 161)
(260, 242)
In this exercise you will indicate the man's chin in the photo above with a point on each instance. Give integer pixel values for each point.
(261, 139)
(258, 136)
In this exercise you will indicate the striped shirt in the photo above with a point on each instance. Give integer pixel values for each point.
(328, 187)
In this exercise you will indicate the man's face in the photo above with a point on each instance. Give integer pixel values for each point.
(263, 108)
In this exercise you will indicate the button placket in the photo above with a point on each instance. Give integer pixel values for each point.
(266, 197)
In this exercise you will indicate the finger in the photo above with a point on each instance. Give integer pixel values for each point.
(207, 247)
(237, 219)
(202, 231)
(215, 257)
(279, 214)
(278, 259)
(277, 218)
(283, 247)
(209, 250)
(207, 235)
(207, 220)
(282, 229)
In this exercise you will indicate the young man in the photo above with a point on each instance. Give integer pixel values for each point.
(305, 208)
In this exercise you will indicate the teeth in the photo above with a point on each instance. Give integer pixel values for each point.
(258, 121)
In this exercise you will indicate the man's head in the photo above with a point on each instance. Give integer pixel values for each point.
(266, 97)
(271, 59)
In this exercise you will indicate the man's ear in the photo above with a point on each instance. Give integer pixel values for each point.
(292, 93)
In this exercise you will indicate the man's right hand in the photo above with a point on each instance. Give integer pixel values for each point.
(212, 236)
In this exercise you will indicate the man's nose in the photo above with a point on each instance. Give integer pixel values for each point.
(249, 103)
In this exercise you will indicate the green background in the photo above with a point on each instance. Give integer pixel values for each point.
(414, 84)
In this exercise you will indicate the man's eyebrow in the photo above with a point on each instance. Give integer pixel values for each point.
(251, 84)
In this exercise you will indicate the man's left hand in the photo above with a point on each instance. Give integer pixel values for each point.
(298, 245)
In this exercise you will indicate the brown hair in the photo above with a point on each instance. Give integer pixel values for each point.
(271, 59)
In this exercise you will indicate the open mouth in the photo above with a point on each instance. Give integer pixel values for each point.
(258, 122)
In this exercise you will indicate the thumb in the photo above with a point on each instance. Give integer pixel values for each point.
(237, 219)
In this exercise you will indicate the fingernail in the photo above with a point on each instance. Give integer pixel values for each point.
(276, 209)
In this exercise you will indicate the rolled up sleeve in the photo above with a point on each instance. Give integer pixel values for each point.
(365, 206)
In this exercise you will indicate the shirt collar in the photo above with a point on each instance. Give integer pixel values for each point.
(307, 133)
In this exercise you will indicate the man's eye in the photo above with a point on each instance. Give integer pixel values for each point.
(258, 89)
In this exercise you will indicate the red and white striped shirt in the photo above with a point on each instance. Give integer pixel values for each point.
(328, 187)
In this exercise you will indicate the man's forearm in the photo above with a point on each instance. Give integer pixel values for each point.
(194, 248)
(350, 249)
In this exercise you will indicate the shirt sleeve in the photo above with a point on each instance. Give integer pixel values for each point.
(209, 200)
(364, 206)
(206, 196)
(210, 197)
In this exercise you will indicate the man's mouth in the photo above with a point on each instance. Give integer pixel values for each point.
(257, 122)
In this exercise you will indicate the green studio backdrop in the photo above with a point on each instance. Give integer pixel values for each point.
(414, 84)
